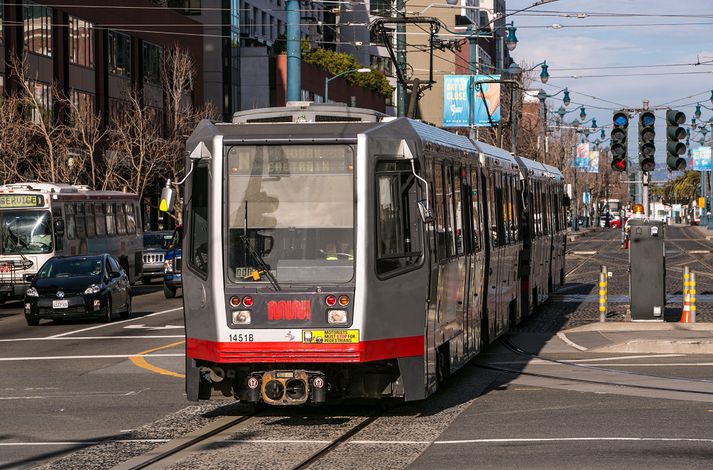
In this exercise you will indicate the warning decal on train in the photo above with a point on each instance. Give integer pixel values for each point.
(330, 336)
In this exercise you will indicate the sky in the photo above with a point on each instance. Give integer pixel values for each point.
(608, 36)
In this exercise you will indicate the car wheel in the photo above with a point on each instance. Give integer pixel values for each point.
(106, 317)
(127, 312)
(169, 292)
(32, 321)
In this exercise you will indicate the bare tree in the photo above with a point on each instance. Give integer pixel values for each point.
(87, 133)
(15, 141)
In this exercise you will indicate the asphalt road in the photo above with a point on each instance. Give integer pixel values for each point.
(64, 385)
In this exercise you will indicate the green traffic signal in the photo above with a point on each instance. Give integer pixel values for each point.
(647, 149)
(619, 137)
(675, 133)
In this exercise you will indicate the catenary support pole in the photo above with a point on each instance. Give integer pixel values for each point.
(294, 51)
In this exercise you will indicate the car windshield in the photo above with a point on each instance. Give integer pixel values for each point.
(71, 267)
(156, 240)
(291, 212)
(26, 231)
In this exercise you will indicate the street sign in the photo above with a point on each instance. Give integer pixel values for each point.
(702, 159)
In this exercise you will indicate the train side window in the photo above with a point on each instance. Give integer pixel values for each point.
(79, 221)
(99, 219)
(477, 208)
(537, 215)
(398, 235)
(198, 246)
(515, 195)
(450, 220)
(440, 212)
(492, 212)
(545, 211)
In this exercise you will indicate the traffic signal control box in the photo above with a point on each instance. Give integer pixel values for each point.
(647, 270)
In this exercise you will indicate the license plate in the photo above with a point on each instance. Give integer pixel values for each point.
(60, 304)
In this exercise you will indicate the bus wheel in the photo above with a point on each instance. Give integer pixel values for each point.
(169, 292)
(106, 317)
(32, 321)
(127, 312)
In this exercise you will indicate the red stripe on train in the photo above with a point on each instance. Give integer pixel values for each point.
(365, 351)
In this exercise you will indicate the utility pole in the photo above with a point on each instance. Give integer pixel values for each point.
(294, 51)
(401, 57)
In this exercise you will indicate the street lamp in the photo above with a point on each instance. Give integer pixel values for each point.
(515, 69)
(329, 79)
(511, 39)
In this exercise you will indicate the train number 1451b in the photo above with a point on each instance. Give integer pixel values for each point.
(242, 337)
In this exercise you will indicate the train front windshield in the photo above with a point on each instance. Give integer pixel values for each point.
(25, 231)
(290, 212)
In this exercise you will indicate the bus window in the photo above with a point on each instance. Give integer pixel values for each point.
(71, 228)
(89, 220)
(110, 221)
(130, 220)
(100, 220)
(120, 219)
(79, 221)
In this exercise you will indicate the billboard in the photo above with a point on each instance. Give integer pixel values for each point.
(701, 159)
(586, 160)
(459, 96)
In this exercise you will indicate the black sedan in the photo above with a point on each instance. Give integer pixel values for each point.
(69, 287)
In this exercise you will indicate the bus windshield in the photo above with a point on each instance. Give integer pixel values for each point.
(290, 211)
(25, 232)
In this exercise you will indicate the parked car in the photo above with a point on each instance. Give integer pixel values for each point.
(155, 244)
(172, 264)
(68, 287)
(614, 222)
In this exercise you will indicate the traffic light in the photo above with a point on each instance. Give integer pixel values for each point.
(619, 140)
(647, 149)
(674, 133)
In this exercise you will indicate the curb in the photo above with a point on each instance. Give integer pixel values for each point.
(645, 346)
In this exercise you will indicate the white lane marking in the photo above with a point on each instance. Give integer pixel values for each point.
(574, 439)
(540, 362)
(586, 253)
(149, 327)
(274, 441)
(115, 323)
(643, 356)
(16, 340)
(104, 356)
(564, 338)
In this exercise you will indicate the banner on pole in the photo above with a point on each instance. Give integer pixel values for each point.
(702, 159)
(459, 94)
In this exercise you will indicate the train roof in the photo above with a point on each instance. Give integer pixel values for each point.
(307, 111)
(424, 134)
(554, 172)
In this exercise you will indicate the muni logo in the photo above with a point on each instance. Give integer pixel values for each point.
(288, 310)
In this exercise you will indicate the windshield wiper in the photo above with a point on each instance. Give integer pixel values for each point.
(261, 262)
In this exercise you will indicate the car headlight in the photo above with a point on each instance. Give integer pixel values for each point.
(32, 292)
(167, 266)
(93, 289)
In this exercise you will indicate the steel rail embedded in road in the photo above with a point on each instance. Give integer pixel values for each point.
(335, 443)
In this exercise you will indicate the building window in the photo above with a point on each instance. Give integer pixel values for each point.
(81, 42)
(187, 7)
(43, 95)
(119, 54)
(83, 101)
(153, 56)
(37, 28)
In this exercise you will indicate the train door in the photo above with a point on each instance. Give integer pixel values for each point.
(495, 230)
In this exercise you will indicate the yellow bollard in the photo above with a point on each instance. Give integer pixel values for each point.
(603, 291)
(692, 295)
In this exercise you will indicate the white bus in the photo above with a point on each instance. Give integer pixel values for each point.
(42, 220)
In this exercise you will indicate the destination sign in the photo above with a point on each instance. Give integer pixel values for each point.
(21, 200)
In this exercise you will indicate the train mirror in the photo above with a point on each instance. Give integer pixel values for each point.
(168, 198)
(59, 227)
(425, 212)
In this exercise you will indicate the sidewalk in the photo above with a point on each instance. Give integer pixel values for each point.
(642, 338)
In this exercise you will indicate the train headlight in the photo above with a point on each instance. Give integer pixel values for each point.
(32, 292)
(337, 317)
(241, 317)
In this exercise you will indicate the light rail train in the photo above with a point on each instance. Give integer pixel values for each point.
(331, 252)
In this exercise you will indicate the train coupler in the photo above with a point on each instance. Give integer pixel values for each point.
(287, 387)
